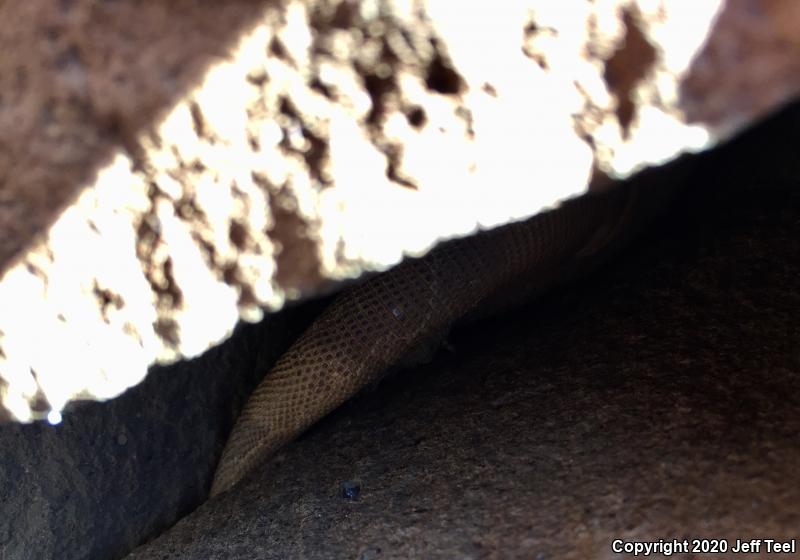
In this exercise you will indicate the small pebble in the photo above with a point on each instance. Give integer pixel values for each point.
(351, 490)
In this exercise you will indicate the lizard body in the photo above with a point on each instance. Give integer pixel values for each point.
(371, 326)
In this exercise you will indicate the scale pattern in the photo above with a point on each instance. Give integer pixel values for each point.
(370, 327)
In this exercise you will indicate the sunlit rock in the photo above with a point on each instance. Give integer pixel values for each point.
(169, 169)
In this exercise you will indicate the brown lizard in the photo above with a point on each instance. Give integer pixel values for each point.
(370, 327)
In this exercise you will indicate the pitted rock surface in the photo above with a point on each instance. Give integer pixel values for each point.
(173, 167)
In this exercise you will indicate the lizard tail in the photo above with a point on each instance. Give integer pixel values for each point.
(371, 326)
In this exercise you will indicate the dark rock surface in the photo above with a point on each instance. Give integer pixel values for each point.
(114, 474)
(658, 400)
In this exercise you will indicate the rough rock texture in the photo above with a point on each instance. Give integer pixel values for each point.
(743, 69)
(658, 400)
(114, 474)
(171, 167)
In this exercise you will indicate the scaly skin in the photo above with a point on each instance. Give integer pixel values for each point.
(371, 326)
